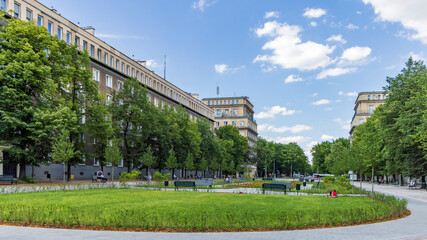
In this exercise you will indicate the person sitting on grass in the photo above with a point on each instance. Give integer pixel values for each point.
(329, 194)
(334, 194)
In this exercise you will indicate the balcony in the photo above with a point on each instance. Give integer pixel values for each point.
(230, 115)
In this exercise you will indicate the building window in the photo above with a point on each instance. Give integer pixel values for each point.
(361, 121)
(92, 50)
(85, 45)
(216, 124)
(127, 70)
(227, 111)
(49, 27)
(17, 9)
(137, 75)
(123, 67)
(233, 123)
(111, 61)
(109, 81)
(371, 109)
(95, 75)
(29, 15)
(95, 162)
(242, 123)
(149, 82)
(133, 72)
(117, 64)
(232, 101)
(379, 97)
(82, 137)
(234, 112)
(105, 58)
(119, 85)
(99, 55)
(120, 163)
(59, 33)
(68, 38)
(225, 123)
(109, 99)
(237, 101)
(156, 102)
(39, 21)
(77, 41)
(3, 5)
(369, 97)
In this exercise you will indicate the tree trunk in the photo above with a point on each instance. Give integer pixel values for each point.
(22, 170)
(401, 180)
(360, 184)
(423, 181)
(372, 180)
(68, 172)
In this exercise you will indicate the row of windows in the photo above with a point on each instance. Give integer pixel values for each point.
(376, 97)
(104, 57)
(233, 123)
(218, 112)
(222, 102)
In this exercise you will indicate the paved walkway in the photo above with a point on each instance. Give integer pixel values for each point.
(413, 227)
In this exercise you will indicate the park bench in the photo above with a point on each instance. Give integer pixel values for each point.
(204, 182)
(8, 178)
(179, 184)
(94, 179)
(274, 186)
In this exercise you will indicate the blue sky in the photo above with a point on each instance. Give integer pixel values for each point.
(301, 63)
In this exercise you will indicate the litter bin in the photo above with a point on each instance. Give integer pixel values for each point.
(166, 183)
(304, 184)
(72, 176)
(298, 187)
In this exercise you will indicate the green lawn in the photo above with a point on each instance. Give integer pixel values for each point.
(147, 209)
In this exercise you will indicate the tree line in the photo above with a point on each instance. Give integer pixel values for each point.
(393, 140)
(47, 89)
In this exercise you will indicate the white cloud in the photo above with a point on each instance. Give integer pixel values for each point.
(288, 50)
(293, 78)
(151, 63)
(202, 4)
(343, 124)
(313, 24)
(272, 14)
(351, 26)
(224, 68)
(326, 137)
(286, 140)
(336, 38)
(333, 72)
(273, 111)
(314, 12)
(417, 56)
(358, 12)
(314, 94)
(321, 102)
(350, 94)
(355, 53)
(411, 14)
(307, 149)
(282, 129)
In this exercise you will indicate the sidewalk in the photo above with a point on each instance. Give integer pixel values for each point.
(396, 190)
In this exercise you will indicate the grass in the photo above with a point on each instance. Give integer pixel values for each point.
(147, 210)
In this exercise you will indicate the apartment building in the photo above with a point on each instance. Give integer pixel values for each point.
(365, 105)
(235, 111)
(109, 66)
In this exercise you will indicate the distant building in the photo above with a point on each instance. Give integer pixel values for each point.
(365, 105)
(235, 111)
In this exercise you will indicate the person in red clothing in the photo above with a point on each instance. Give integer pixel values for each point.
(334, 194)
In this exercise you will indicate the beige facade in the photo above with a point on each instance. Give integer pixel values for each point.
(235, 111)
(109, 65)
(365, 105)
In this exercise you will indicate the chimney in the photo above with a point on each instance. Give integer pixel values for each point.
(142, 62)
(89, 29)
(195, 95)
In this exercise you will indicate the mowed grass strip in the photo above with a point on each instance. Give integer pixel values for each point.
(147, 209)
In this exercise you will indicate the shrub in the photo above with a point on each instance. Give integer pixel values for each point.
(158, 177)
(328, 179)
(28, 179)
(129, 177)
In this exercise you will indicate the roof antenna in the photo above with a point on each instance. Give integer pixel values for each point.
(217, 91)
(164, 70)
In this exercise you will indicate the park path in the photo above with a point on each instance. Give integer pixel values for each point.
(413, 227)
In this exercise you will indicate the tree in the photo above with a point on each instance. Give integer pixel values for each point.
(319, 153)
(113, 155)
(188, 164)
(171, 161)
(338, 161)
(148, 160)
(131, 114)
(204, 165)
(239, 145)
(264, 154)
(63, 150)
